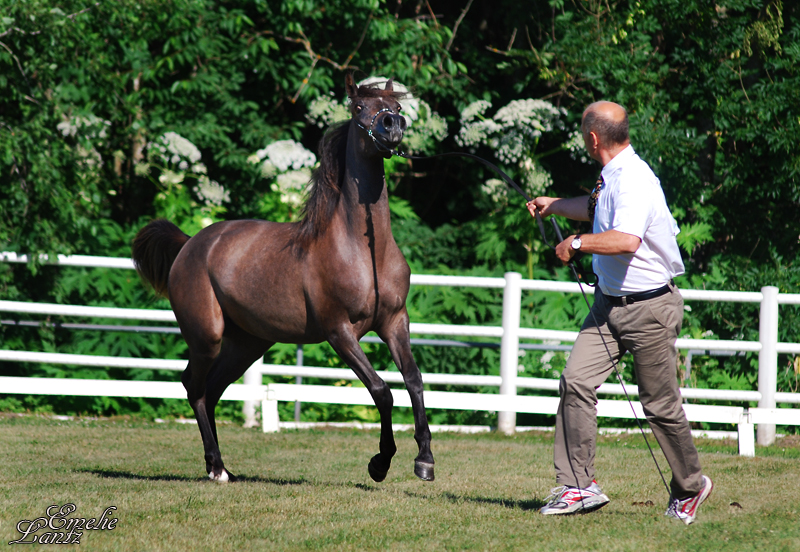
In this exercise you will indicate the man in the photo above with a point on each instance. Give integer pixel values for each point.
(638, 309)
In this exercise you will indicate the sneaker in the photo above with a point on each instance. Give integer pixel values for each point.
(686, 509)
(571, 500)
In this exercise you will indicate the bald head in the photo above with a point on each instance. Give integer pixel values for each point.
(609, 121)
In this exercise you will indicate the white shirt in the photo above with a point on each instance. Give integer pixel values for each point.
(633, 202)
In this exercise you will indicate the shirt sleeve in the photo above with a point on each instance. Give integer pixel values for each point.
(633, 208)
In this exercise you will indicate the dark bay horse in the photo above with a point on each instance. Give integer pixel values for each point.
(238, 287)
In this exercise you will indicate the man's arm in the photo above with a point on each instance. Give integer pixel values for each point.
(610, 242)
(574, 208)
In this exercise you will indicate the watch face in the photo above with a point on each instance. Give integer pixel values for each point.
(576, 243)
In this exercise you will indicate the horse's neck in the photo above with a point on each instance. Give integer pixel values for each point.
(364, 201)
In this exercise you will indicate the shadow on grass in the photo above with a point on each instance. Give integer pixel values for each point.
(113, 474)
(525, 505)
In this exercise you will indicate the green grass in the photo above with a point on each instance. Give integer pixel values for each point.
(309, 490)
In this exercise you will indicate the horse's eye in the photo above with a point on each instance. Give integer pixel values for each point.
(358, 109)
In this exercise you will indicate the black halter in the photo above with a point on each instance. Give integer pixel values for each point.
(371, 135)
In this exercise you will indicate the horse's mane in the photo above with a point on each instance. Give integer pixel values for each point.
(327, 179)
(326, 185)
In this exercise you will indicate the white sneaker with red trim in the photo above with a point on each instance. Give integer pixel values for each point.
(573, 500)
(686, 509)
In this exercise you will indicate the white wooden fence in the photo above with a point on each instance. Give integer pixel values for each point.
(507, 403)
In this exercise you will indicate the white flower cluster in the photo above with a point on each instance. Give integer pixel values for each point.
(514, 129)
(496, 190)
(177, 157)
(512, 133)
(474, 110)
(290, 185)
(425, 126)
(290, 164)
(430, 128)
(576, 147)
(282, 156)
(172, 148)
(325, 110)
(536, 180)
(91, 126)
(211, 192)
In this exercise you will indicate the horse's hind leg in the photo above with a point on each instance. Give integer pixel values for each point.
(397, 338)
(239, 351)
(346, 345)
(202, 325)
(201, 360)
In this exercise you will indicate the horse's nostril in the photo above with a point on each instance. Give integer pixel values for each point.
(391, 121)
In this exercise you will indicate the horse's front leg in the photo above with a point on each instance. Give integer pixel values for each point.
(346, 345)
(396, 336)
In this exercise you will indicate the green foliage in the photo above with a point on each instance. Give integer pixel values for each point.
(89, 91)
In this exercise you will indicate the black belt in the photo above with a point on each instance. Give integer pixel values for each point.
(637, 297)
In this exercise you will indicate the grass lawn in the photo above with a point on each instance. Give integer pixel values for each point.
(309, 490)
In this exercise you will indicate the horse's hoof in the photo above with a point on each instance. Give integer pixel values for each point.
(376, 474)
(224, 477)
(423, 470)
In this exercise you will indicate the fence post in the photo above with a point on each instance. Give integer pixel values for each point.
(747, 445)
(509, 348)
(298, 381)
(269, 412)
(252, 377)
(768, 360)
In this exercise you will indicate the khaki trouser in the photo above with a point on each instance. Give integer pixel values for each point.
(648, 329)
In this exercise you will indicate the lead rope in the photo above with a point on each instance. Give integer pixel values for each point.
(575, 271)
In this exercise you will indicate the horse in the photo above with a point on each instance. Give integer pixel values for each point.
(238, 287)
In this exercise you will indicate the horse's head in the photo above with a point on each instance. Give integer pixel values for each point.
(376, 111)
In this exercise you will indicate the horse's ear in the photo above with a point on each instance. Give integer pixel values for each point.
(389, 85)
(350, 86)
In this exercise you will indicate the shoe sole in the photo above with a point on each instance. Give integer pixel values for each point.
(586, 506)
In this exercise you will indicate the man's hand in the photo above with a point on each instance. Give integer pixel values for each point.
(542, 204)
(564, 250)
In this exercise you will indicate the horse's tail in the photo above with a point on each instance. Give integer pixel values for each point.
(154, 250)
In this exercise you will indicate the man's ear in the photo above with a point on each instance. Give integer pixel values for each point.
(594, 140)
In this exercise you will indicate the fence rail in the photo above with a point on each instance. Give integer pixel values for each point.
(507, 402)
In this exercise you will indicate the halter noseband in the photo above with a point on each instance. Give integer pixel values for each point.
(371, 135)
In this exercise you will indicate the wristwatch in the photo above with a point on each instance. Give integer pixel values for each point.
(576, 243)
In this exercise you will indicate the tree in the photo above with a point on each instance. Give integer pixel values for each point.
(91, 90)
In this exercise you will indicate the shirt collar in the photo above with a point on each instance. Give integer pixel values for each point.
(617, 162)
